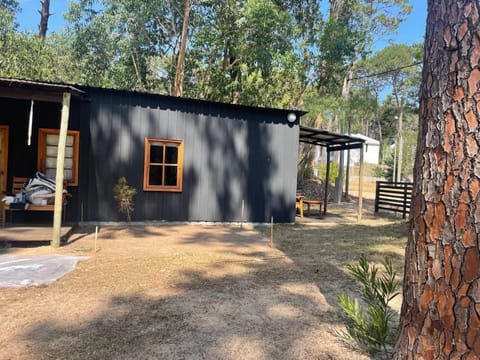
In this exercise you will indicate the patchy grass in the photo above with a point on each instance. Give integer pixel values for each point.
(197, 292)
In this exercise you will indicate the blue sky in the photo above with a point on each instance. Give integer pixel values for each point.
(411, 31)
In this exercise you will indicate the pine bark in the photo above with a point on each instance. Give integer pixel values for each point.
(440, 316)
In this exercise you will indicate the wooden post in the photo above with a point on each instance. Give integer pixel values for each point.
(360, 186)
(377, 195)
(271, 232)
(243, 211)
(62, 139)
(326, 183)
(95, 241)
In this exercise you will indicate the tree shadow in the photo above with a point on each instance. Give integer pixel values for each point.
(245, 301)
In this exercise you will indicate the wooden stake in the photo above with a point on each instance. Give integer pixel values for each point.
(243, 210)
(271, 232)
(95, 242)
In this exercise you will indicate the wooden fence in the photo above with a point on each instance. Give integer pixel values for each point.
(395, 197)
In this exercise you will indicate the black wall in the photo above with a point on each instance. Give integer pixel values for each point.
(230, 154)
(22, 159)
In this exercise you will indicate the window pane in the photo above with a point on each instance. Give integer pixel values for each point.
(155, 175)
(171, 154)
(68, 164)
(69, 152)
(51, 150)
(51, 173)
(51, 162)
(69, 140)
(52, 139)
(156, 153)
(170, 175)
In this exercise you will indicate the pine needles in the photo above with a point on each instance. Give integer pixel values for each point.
(371, 326)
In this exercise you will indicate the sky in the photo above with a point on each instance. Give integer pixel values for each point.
(410, 31)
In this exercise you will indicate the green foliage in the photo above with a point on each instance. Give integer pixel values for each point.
(334, 170)
(378, 171)
(371, 328)
(272, 53)
(124, 194)
(308, 173)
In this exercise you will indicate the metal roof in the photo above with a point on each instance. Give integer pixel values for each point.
(332, 141)
(40, 85)
(37, 90)
(32, 89)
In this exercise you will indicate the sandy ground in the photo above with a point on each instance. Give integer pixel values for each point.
(182, 292)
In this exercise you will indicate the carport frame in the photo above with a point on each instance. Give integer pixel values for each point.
(335, 142)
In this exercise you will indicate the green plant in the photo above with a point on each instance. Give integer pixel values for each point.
(124, 195)
(308, 173)
(333, 174)
(378, 171)
(371, 328)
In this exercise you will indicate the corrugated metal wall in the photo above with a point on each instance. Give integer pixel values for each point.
(230, 155)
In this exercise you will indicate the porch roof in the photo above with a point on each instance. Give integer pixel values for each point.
(332, 141)
(37, 90)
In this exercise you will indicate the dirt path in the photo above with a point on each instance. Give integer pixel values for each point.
(179, 292)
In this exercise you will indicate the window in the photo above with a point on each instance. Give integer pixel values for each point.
(163, 165)
(47, 154)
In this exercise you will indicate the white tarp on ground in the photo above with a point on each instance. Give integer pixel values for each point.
(19, 271)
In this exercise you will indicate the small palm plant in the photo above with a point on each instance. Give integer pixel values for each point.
(124, 195)
(371, 328)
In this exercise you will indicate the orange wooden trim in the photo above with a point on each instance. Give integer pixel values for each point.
(146, 165)
(41, 154)
(4, 129)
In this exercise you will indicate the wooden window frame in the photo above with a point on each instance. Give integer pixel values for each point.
(41, 156)
(179, 164)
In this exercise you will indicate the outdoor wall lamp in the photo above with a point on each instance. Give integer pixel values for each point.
(291, 117)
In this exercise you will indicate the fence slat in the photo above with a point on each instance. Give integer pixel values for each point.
(396, 197)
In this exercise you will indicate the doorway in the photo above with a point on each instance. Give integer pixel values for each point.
(3, 158)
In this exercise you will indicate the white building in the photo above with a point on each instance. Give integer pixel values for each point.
(371, 151)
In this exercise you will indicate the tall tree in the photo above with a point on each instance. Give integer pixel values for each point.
(127, 44)
(440, 316)
(398, 68)
(180, 68)
(44, 16)
(11, 6)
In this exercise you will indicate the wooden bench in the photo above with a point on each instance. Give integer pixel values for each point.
(17, 186)
(309, 203)
(299, 204)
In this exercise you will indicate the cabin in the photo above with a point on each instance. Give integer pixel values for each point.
(189, 160)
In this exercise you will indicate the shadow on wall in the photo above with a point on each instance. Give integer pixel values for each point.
(229, 159)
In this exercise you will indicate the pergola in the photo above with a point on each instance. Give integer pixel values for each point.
(334, 142)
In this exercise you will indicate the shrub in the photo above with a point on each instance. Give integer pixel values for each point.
(371, 327)
(124, 195)
(308, 173)
(322, 172)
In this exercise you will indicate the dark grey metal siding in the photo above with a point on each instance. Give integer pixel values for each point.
(230, 155)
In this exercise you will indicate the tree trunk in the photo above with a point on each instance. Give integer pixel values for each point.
(441, 291)
(180, 69)
(400, 143)
(44, 15)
